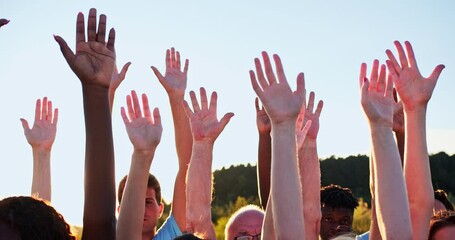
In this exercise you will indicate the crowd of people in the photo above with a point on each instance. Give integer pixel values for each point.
(394, 98)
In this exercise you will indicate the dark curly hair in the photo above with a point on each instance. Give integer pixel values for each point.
(34, 219)
(335, 196)
(440, 220)
(441, 196)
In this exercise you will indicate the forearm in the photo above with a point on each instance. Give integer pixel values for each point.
(391, 203)
(268, 231)
(183, 143)
(400, 142)
(99, 203)
(199, 189)
(111, 99)
(41, 183)
(263, 167)
(374, 228)
(131, 216)
(310, 177)
(417, 172)
(285, 184)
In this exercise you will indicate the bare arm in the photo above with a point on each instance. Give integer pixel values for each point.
(264, 153)
(174, 82)
(145, 135)
(41, 137)
(309, 169)
(93, 64)
(391, 204)
(415, 91)
(282, 106)
(205, 130)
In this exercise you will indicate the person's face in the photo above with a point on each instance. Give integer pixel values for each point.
(438, 206)
(153, 211)
(335, 221)
(247, 223)
(445, 233)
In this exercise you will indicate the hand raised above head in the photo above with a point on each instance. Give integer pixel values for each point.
(281, 103)
(414, 89)
(262, 119)
(94, 60)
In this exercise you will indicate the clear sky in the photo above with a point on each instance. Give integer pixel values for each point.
(327, 40)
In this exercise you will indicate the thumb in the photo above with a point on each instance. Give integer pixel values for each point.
(66, 51)
(158, 74)
(124, 70)
(25, 124)
(436, 72)
(225, 120)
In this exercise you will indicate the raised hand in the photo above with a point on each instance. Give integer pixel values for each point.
(262, 120)
(281, 103)
(398, 114)
(203, 120)
(174, 79)
(313, 116)
(301, 131)
(376, 95)
(42, 134)
(3, 22)
(94, 60)
(143, 130)
(414, 89)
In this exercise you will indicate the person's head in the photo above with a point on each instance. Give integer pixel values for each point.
(337, 208)
(441, 201)
(29, 218)
(188, 236)
(153, 202)
(247, 221)
(442, 226)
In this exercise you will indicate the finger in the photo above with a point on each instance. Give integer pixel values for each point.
(319, 108)
(365, 86)
(156, 116)
(185, 68)
(124, 70)
(300, 86)
(306, 127)
(44, 111)
(262, 81)
(177, 60)
(136, 105)
(194, 102)
(392, 69)
(204, 104)
(25, 124)
(255, 85)
(310, 105)
(158, 75)
(55, 120)
(145, 105)
(66, 51)
(38, 110)
(268, 69)
(389, 88)
(91, 26)
(80, 28)
(129, 104)
(101, 36)
(395, 95)
(168, 59)
(187, 108)
(436, 72)
(173, 63)
(411, 56)
(374, 75)
(49, 111)
(381, 84)
(300, 118)
(393, 62)
(225, 120)
(401, 54)
(111, 41)
(213, 102)
(363, 73)
(256, 104)
(279, 69)
(124, 117)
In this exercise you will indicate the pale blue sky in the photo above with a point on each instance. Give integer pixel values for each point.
(327, 40)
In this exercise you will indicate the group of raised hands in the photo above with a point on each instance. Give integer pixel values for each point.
(288, 125)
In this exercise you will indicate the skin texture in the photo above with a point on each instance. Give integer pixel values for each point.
(136, 219)
(41, 137)
(205, 129)
(284, 214)
(248, 222)
(93, 63)
(445, 233)
(415, 92)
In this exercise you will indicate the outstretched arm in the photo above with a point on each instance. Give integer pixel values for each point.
(205, 130)
(93, 63)
(283, 106)
(41, 137)
(391, 204)
(309, 169)
(264, 153)
(174, 82)
(415, 91)
(144, 132)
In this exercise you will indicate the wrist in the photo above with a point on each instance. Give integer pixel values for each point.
(264, 132)
(42, 149)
